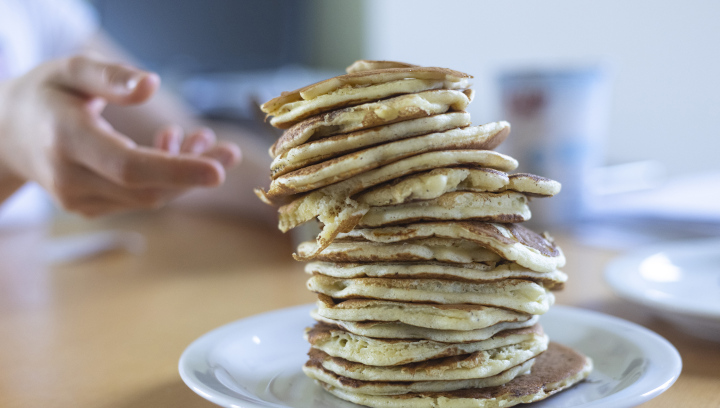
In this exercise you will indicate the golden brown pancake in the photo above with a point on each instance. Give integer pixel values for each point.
(508, 206)
(513, 242)
(514, 294)
(437, 182)
(338, 212)
(315, 370)
(429, 315)
(334, 146)
(368, 115)
(480, 364)
(451, 251)
(397, 330)
(337, 342)
(341, 168)
(472, 272)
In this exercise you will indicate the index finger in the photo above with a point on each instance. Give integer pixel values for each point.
(120, 160)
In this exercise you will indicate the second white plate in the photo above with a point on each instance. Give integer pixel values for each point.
(255, 362)
(680, 280)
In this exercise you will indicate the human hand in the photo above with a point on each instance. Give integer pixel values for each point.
(52, 132)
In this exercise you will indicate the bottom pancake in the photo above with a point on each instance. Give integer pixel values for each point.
(558, 368)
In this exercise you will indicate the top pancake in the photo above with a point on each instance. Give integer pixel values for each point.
(356, 88)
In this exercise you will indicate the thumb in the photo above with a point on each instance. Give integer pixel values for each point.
(117, 83)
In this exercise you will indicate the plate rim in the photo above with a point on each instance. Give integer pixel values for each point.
(625, 398)
(616, 270)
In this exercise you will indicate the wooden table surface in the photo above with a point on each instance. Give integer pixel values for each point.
(107, 331)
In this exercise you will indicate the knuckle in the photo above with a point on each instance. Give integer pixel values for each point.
(114, 74)
(75, 65)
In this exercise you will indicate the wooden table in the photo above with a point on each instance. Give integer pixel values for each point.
(107, 331)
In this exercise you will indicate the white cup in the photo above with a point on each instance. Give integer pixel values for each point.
(558, 120)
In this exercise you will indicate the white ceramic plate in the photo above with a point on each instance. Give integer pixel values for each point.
(255, 362)
(680, 280)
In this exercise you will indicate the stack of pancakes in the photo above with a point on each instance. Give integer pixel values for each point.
(429, 288)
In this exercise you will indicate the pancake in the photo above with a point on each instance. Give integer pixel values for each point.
(511, 241)
(314, 370)
(453, 251)
(337, 342)
(370, 65)
(356, 88)
(338, 212)
(431, 316)
(429, 290)
(396, 330)
(555, 370)
(368, 115)
(333, 146)
(514, 294)
(480, 364)
(319, 175)
(472, 272)
(410, 165)
(437, 182)
(507, 206)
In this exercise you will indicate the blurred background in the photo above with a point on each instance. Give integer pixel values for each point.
(636, 140)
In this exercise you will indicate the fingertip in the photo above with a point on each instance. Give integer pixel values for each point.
(142, 87)
(213, 175)
(235, 154)
(228, 154)
(169, 139)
